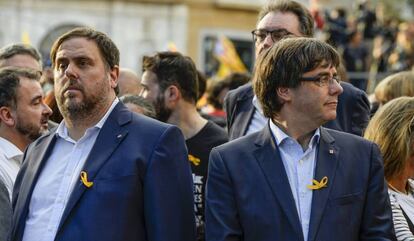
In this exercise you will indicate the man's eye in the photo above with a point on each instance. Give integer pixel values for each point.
(324, 80)
(261, 35)
(62, 66)
(83, 62)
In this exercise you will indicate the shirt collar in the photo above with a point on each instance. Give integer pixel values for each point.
(257, 104)
(62, 130)
(10, 150)
(280, 135)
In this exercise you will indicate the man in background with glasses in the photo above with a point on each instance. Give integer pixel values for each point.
(277, 20)
(295, 180)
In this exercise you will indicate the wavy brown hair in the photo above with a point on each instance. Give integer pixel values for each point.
(391, 129)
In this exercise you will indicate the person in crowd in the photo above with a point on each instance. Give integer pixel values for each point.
(337, 27)
(128, 82)
(402, 55)
(138, 104)
(105, 173)
(21, 55)
(356, 59)
(296, 180)
(219, 89)
(170, 82)
(392, 128)
(279, 19)
(27, 56)
(5, 212)
(393, 86)
(23, 118)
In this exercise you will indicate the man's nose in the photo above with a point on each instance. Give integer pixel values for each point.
(268, 41)
(70, 71)
(335, 88)
(47, 110)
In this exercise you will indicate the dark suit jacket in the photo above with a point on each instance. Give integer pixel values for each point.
(353, 110)
(249, 197)
(142, 184)
(5, 212)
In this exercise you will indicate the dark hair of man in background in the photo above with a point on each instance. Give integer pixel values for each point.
(306, 21)
(9, 82)
(298, 63)
(20, 49)
(146, 106)
(165, 65)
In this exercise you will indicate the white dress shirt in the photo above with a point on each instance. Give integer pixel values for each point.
(10, 161)
(300, 168)
(57, 180)
(258, 120)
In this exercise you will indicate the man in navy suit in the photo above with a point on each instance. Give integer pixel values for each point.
(105, 173)
(277, 20)
(295, 180)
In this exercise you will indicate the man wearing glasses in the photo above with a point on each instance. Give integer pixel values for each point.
(295, 180)
(277, 20)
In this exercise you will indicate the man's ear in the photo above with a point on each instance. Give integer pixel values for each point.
(172, 94)
(284, 94)
(113, 75)
(7, 117)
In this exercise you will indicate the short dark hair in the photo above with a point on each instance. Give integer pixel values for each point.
(283, 65)
(232, 81)
(172, 68)
(10, 81)
(140, 101)
(306, 21)
(20, 49)
(107, 48)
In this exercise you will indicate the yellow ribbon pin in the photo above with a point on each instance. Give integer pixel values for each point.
(318, 185)
(196, 161)
(84, 179)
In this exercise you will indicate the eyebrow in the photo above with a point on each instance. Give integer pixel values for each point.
(36, 98)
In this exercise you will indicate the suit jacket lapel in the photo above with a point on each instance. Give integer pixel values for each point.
(244, 110)
(110, 136)
(268, 157)
(326, 165)
(35, 162)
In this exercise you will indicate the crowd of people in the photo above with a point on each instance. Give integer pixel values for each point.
(92, 151)
(370, 41)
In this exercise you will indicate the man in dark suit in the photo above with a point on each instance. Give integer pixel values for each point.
(276, 20)
(296, 180)
(5, 212)
(105, 173)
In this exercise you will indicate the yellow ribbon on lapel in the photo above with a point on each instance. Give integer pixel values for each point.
(196, 161)
(318, 185)
(84, 179)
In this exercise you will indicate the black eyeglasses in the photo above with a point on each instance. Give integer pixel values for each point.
(323, 80)
(259, 35)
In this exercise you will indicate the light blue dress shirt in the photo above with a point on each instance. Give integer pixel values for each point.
(300, 168)
(258, 120)
(57, 180)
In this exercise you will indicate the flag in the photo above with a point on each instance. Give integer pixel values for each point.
(172, 47)
(25, 38)
(226, 54)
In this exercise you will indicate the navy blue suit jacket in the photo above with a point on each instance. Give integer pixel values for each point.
(249, 197)
(142, 184)
(353, 110)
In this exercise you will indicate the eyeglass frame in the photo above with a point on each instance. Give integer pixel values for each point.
(279, 30)
(317, 80)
